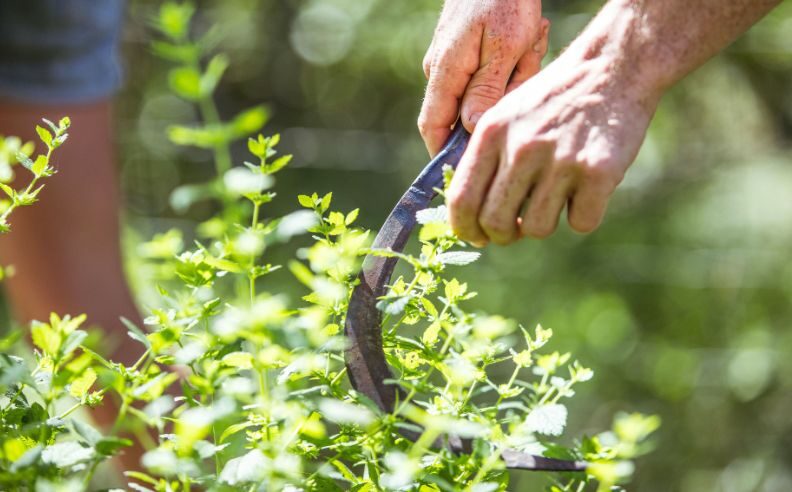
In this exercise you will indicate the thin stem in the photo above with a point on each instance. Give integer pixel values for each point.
(251, 277)
(14, 204)
(508, 387)
(254, 222)
(211, 117)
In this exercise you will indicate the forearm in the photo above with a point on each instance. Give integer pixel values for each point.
(653, 44)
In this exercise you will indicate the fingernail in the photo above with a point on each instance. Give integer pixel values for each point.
(474, 118)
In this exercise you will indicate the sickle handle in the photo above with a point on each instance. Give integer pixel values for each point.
(432, 175)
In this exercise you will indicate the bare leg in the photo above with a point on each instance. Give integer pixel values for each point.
(65, 248)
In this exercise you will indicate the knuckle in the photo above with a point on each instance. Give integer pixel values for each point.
(458, 204)
(423, 123)
(539, 229)
(583, 224)
(527, 150)
(489, 127)
(486, 89)
(602, 174)
(427, 65)
(450, 61)
(566, 167)
(497, 228)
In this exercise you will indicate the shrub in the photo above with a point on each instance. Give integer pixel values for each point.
(246, 390)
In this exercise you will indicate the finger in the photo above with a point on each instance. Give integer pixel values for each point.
(587, 206)
(469, 186)
(546, 202)
(531, 61)
(449, 75)
(513, 180)
(499, 55)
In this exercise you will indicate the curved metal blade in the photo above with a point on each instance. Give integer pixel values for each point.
(365, 357)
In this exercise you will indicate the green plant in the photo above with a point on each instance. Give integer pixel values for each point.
(263, 399)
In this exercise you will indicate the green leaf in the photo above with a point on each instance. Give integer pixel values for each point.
(205, 137)
(24, 160)
(174, 19)
(224, 265)
(305, 201)
(393, 306)
(454, 290)
(214, 71)
(141, 477)
(352, 216)
(186, 82)
(50, 124)
(109, 446)
(233, 429)
(135, 333)
(87, 432)
(257, 147)
(80, 387)
(73, 340)
(431, 310)
(8, 190)
(249, 121)
(434, 230)
(66, 454)
(40, 165)
(44, 135)
(45, 338)
(241, 360)
(278, 164)
(326, 202)
(431, 334)
(176, 53)
(248, 468)
(301, 273)
(458, 257)
(548, 419)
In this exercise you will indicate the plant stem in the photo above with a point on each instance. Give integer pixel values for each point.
(222, 151)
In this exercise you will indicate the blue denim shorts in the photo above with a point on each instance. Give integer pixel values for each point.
(59, 51)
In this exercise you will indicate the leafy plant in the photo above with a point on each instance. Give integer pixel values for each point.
(263, 402)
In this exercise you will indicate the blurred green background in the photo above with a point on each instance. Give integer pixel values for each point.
(681, 302)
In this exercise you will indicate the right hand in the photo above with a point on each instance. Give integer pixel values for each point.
(481, 50)
(564, 138)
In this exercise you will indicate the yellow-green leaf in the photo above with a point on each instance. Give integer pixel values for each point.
(242, 360)
(45, 338)
(431, 334)
(82, 385)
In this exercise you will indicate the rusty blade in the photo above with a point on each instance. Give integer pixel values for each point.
(365, 357)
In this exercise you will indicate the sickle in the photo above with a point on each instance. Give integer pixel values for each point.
(365, 357)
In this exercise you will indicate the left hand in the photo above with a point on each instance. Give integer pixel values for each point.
(481, 50)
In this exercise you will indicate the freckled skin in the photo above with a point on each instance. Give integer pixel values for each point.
(481, 50)
(565, 137)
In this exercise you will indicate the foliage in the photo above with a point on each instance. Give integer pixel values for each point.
(263, 402)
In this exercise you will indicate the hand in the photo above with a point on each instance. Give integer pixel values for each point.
(565, 137)
(481, 50)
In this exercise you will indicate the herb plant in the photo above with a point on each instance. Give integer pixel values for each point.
(240, 388)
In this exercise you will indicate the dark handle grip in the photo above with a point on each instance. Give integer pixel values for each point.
(432, 175)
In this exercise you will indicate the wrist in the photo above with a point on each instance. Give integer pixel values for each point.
(618, 44)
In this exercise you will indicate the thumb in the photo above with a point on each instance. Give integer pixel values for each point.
(486, 87)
